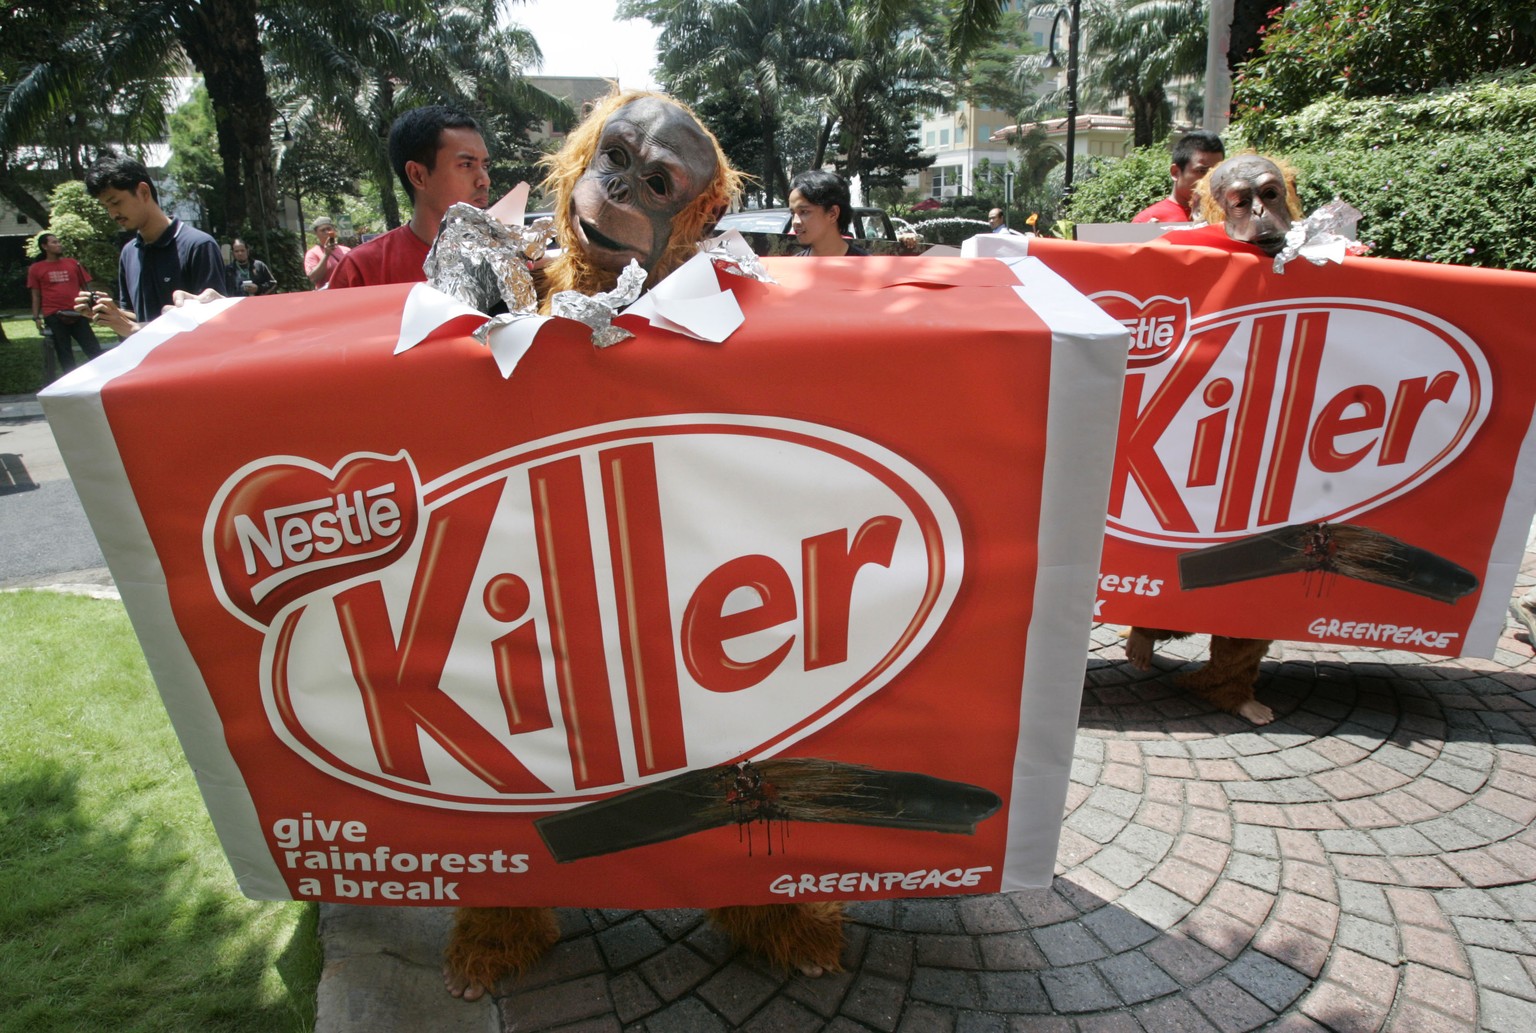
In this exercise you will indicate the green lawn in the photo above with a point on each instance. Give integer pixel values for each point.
(118, 910)
(21, 354)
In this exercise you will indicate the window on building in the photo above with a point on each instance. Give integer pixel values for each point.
(928, 141)
(943, 137)
(946, 181)
(1039, 39)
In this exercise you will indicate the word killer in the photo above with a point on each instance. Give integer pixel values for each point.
(400, 676)
(1251, 437)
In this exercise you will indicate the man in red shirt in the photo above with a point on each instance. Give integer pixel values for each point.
(1196, 153)
(54, 282)
(441, 159)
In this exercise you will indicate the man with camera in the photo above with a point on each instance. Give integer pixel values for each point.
(165, 255)
(321, 260)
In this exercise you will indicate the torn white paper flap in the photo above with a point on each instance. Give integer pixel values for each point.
(510, 341)
(426, 309)
(690, 302)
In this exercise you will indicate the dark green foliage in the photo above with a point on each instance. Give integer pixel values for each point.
(13, 274)
(1457, 198)
(1461, 199)
(1374, 48)
(1118, 190)
(1486, 104)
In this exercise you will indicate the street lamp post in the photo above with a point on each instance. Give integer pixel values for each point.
(1069, 12)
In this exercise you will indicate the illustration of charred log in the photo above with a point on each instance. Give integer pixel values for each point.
(1347, 550)
(765, 793)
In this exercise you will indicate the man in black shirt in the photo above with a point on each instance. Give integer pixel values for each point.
(165, 255)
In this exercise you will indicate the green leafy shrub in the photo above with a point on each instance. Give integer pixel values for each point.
(1373, 48)
(1448, 176)
(85, 229)
(1488, 104)
(951, 227)
(1461, 199)
(1117, 190)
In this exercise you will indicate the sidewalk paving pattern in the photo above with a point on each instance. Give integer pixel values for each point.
(1364, 863)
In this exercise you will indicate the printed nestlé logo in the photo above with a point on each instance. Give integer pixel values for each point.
(610, 606)
(1285, 412)
(282, 528)
(1157, 326)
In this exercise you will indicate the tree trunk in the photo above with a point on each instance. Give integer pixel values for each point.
(223, 41)
(1146, 116)
(768, 125)
(21, 199)
(384, 175)
(823, 141)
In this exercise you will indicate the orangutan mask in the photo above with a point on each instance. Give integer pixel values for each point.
(652, 160)
(1252, 193)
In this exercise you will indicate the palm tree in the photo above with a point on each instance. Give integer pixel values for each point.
(874, 76)
(350, 74)
(359, 61)
(754, 47)
(1135, 49)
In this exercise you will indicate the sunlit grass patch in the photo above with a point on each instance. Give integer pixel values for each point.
(118, 910)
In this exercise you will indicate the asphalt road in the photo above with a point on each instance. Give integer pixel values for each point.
(44, 535)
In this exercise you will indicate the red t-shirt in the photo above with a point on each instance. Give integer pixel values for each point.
(1211, 236)
(58, 280)
(1166, 210)
(396, 257)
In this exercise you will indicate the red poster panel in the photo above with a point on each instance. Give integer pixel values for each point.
(664, 624)
(1334, 454)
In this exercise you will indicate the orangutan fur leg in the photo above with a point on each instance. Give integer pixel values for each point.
(1226, 680)
(807, 938)
(491, 943)
(1141, 644)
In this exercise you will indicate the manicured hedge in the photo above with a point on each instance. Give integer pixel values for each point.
(1442, 177)
(1457, 198)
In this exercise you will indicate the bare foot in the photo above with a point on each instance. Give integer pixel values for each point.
(1255, 712)
(1139, 647)
(459, 985)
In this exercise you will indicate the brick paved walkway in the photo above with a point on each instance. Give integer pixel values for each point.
(1364, 863)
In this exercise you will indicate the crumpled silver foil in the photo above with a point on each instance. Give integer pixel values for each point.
(478, 260)
(598, 310)
(1320, 237)
(732, 249)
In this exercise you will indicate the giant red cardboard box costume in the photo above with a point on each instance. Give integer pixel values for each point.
(1338, 453)
(433, 636)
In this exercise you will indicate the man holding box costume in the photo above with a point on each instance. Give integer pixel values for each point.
(441, 160)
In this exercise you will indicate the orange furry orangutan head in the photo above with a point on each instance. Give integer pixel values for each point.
(639, 179)
(1254, 197)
